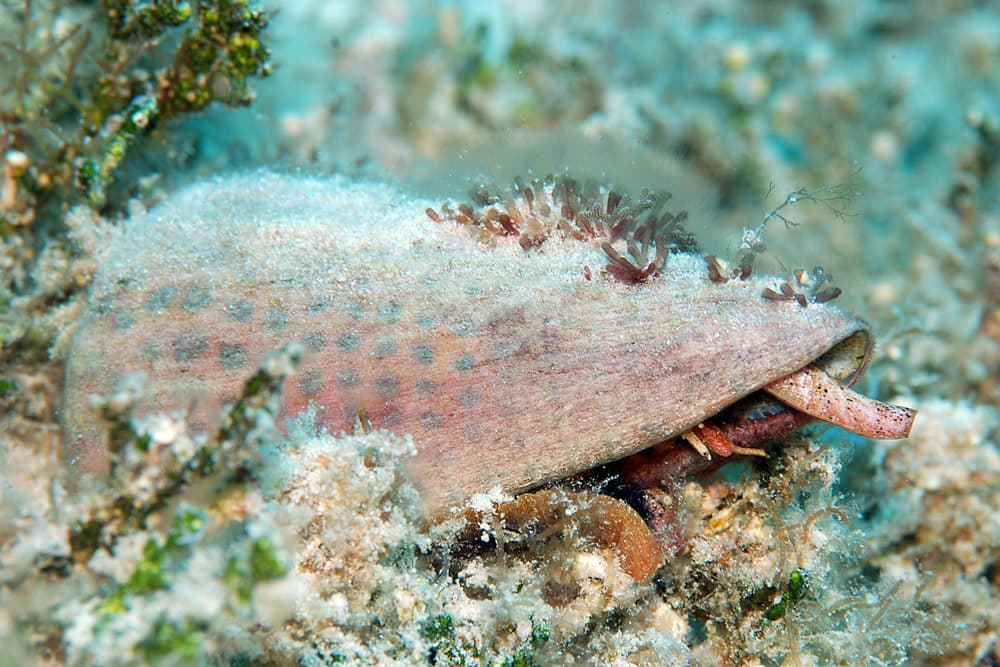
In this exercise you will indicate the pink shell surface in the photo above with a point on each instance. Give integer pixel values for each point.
(509, 368)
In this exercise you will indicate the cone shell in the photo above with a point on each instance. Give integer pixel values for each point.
(509, 367)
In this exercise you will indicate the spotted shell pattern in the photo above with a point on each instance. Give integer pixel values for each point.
(509, 366)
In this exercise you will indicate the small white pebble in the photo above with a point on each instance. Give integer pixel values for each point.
(883, 293)
(17, 160)
(408, 607)
(164, 430)
(884, 146)
(737, 56)
(669, 622)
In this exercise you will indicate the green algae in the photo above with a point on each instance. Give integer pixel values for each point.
(243, 571)
(179, 641)
(797, 585)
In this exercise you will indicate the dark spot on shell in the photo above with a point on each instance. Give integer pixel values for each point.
(347, 378)
(232, 356)
(152, 350)
(386, 385)
(196, 298)
(474, 432)
(315, 341)
(311, 382)
(424, 386)
(276, 319)
(123, 320)
(159, 299)
(503, 350)
(423, 353)
(464, 362)
(189, 346)
(463, 328)
(431, 419)
(318, 306)
(354, 310)
(426, 321)
(239, 311)
(348, 341)
(469, 397)
(389, 312)
(385, 347)
(508, 375)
